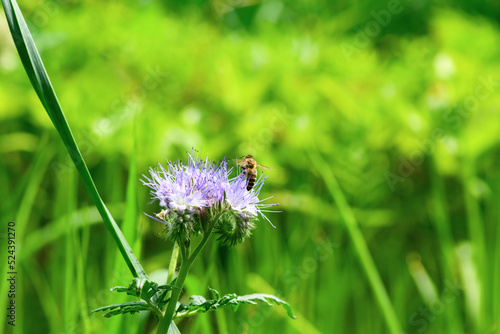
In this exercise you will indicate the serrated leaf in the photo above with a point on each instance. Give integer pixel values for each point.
(146, 290)
(130, 307)
(197, 301)
(199, 304)
(215, 292)
(266, 298)
(139, 287)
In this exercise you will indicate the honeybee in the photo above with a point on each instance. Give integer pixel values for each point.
(249, 167)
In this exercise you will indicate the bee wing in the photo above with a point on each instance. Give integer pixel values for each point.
(264, 167)
(239, 162)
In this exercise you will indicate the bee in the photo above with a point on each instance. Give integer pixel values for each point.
(249, 167)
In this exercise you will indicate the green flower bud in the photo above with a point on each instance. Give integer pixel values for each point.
(234, 227)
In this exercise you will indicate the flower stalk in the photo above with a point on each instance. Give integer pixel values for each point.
(179, 283)
(172, 265)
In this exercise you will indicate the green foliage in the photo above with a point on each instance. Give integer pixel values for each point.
(123, 308)
(199, 304)
(153, 296)
(146, 290)
(280, 90)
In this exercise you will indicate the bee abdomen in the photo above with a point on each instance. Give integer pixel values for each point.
(252, 176)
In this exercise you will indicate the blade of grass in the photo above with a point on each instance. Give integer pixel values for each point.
(129, 228)
(57, 229)
(445, 237)
(69, 268)
(358, 240)
(80, 244)
(477, 237)
(496, 266)
(24, 208)
(130, 217)
(10, 203)
(45, 293)
(300, 324)
(41, 84)
(212, 279)
(4, 181)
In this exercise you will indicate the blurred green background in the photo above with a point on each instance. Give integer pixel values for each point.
(397, 100)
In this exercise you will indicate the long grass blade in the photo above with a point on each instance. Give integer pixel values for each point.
(359, 242)
(23, 211)
(443, 228)
(40, 81)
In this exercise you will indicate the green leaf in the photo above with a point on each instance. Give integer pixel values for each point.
(41, 84)
(199, 304)
(251, 299)
(145, 289)
(152, 295)
(215, 292)
(123, 308)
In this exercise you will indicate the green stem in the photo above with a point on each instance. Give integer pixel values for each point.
(172, 266)
(187, 261)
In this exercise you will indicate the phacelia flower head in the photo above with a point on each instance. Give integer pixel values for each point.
(199, 193)
(242, 208)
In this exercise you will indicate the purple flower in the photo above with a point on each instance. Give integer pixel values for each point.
(246, 203)
(240, 210)
(193, 185)
(193, 193)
